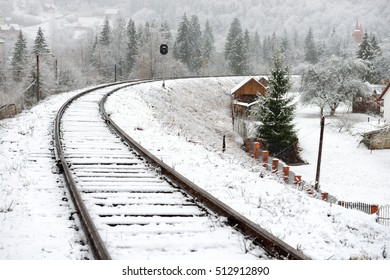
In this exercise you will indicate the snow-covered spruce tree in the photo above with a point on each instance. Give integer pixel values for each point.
(255, 50)
(196, 44)
(19, 58)
(235, 51)
(208, 45)
(276, 113)
(333, 81)
(119, 44)
(310, 49)
(40, 46)
(183, 45)
(132, 46)
(105, 34)
(371, 53)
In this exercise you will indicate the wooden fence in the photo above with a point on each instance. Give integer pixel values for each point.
(7, 111)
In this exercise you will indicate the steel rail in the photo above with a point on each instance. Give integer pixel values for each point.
(273, 245)
(98, 247)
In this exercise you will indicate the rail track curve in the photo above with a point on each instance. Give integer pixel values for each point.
(125, 196)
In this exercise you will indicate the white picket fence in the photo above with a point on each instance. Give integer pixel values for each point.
(382, 212)
(363, 207)
(384, 215)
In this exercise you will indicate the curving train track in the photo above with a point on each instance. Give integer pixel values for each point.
(132, 205)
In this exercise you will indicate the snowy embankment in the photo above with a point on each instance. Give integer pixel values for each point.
(36, 219)
(184, 124)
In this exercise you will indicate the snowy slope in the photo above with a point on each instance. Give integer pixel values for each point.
(184, 124)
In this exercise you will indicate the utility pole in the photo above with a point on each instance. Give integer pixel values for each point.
(115, 73)
(56, 69)
(38, 85)
(317, 181)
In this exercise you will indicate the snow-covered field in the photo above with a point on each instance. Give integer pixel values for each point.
(184, 125)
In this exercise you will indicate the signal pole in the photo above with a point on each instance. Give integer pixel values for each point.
(317, 181)
(163, 51)
(38, 85)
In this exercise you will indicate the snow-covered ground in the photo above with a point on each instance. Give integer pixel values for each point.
(36, 219)
(184, 124)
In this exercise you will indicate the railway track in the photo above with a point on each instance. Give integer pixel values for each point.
(131, 205)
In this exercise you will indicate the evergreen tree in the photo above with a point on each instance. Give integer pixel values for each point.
(375, 46)
(196, 44)
(40, 46)
(119, 42)
(166, 31)
(267, 50)
(276, 115)
(208, 44)
(183, 44)
(105, 35)
(371, 53)
(132, 46)
(19, 58)
(311, 53)
(235, 51)
(366, 51)
(255, 49)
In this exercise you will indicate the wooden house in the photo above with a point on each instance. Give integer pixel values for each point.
(264, 81)
(384, 100)
(245, 95)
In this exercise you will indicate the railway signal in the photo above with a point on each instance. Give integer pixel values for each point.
(164, 49)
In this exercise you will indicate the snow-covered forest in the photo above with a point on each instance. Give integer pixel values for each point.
(89, 42)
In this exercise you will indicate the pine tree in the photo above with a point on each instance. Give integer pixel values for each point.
(132, 46)
(40, 46)
(166, 31)
(311, 53)
(370, 52)
(196, 44)
(208, 45)
(375, 46)
(19, 58)
(255, 49)
(276, 115)
(366, 51)
(105, 35)
(183, 45)
(235, 51)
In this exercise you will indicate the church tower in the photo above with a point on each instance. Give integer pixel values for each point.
(357, 34)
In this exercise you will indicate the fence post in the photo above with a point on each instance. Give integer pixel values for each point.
(286, 170)
(265, 158)
(374, 208)
(247, 144)
(275, 163)
(256, 148)
(297, 180)
(324, 196)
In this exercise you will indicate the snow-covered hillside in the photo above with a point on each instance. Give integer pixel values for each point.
(184, 124)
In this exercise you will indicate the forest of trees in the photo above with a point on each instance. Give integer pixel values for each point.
(124, 49)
